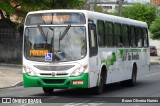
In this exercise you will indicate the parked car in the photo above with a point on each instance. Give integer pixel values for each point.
(153, 51)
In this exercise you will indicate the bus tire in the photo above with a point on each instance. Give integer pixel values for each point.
(48, 90)
(131, 82)
(99, 89)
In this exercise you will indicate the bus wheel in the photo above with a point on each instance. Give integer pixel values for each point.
(133, 80)
(48, 90)
(99, 89)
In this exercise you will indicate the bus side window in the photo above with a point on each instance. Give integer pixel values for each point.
(145, 37)
(93, 49)
(138, 37)
(109, 34)
(125, 33)
(100, 30)
(132, 37)
(118, 35)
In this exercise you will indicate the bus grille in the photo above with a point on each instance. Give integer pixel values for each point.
(49, 74)
(53, 81)
(54, 68)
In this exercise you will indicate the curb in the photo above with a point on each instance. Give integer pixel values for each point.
(19, 83)
(154, 63)
(13, 65)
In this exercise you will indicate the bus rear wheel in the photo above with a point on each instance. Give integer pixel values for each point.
(48, 90)
(131, 82)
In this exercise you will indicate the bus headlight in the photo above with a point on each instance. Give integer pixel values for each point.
(29, 71)
(79, 71)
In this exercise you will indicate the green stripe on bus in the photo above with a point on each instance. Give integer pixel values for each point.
(37, 81)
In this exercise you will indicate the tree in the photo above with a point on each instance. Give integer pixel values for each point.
(141, 12)
(21, 7)
(99, 9)
(155, 29)
(67, 4)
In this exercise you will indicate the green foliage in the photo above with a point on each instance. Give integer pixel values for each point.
(5, 5)
(67, 4)
(155, 28)
(141, 12)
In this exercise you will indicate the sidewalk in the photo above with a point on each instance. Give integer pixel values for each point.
(10, 75)
(155, 59)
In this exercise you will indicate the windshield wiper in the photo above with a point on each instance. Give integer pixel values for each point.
(65, 32)
(42, 33)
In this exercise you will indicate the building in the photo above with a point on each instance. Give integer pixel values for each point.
(139, 1)
(155, 2)
(111, 5)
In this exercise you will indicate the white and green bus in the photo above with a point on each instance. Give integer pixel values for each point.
(83, 49)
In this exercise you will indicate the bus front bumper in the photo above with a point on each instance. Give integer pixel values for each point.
(56, 82)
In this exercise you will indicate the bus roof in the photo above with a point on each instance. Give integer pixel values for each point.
(98, 16)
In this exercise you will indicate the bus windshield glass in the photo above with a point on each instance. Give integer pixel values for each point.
(65, 43)
(55, 18)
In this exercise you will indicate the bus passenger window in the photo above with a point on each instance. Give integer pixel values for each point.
(145, 37)
(132, 37)
(125, 33)
(138, 37)
(117, 34)
(109, 34)
(100, 28)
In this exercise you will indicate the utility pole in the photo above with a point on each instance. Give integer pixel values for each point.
(87, 5)
(95, 4)
(120, 2)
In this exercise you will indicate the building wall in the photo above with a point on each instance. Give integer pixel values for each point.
(155, 2)
(10, 43)
(155, 43)
(111, 7)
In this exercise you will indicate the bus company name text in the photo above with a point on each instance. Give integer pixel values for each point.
(132, 56)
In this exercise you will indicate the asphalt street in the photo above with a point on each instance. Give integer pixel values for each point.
(147, 86)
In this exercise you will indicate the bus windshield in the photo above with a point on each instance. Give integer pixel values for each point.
(65, 43)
